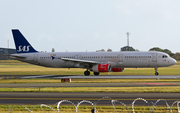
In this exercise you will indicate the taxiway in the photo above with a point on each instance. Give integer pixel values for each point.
(93, 77)
(33, 98)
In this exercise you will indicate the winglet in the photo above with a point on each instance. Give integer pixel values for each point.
(22, 45)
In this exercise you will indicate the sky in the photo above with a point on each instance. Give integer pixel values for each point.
(90, 25)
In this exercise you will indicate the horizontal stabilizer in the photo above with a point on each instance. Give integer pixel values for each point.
(17, 56)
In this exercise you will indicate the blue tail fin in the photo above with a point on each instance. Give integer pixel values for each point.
(22, 45)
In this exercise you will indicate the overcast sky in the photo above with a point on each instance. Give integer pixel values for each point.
(80, 25)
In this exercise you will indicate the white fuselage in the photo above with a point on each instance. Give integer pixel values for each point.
(126, 59)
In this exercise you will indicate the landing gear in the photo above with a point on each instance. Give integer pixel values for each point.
(156, 73)
(96, 73)
(86, 73)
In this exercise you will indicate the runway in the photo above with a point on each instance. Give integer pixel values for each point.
(93, 77)
(33, 98)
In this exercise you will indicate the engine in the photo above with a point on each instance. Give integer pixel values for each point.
(101, 68)
(117, 69)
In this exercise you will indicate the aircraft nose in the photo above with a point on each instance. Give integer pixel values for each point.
(173, 61)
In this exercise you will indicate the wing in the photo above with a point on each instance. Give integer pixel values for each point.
(86, 63)
(80, 61)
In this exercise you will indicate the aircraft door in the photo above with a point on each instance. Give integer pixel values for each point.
(78, 56)
(35, 58)
(121, 58)
(154, 57)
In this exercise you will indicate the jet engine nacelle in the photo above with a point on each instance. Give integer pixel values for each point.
(101, 68)
(117, 69)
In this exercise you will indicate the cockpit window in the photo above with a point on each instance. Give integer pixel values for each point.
(164, 56)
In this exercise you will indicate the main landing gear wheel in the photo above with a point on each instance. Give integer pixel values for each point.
(86, 73)
(96, 73)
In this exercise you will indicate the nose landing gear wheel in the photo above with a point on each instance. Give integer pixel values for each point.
(86, 73)
(156, 73)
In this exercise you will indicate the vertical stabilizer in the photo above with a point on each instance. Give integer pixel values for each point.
(22, 45)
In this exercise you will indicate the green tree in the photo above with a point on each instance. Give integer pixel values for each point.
(109, 50)
(162, 50)
(53, 50)
(102, 50)
(176, 56)
(127, 48)
(156, 49)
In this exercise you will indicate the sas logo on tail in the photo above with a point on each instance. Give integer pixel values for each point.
(24, 48)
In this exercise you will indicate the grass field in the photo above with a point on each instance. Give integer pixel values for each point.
(86, 109)
(26, 81)
(13, 67)
(167, 89)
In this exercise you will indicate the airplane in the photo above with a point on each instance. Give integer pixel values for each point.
(97, 62)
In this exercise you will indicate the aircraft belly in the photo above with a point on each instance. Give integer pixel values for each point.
(129, 63)
(134, 63)
(143, 63)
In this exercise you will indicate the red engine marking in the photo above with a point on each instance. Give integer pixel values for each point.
(116, 69)
(103, 67)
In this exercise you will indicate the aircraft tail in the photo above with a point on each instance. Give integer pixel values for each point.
(22, 45)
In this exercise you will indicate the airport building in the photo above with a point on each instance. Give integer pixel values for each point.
(4, 51)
